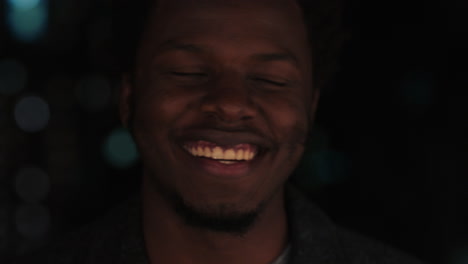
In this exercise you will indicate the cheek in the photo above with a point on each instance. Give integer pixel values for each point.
(288, 121)
(160, 106)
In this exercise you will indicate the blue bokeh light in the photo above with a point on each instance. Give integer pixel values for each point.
(324, 167)
(32, 114)
(119, 149)
(24, 4)
(27, 20)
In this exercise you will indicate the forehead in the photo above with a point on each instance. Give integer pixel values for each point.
(280, 18)
(267, 22)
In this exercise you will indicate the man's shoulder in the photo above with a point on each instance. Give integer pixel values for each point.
(365, 250)
(317, 239)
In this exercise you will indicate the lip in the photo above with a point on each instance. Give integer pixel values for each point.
(213, 167)
(224, 138)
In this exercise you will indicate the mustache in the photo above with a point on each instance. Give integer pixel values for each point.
(227, 134)
(230, 127)
(237, 134)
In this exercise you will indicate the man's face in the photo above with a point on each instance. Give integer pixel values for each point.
(222, 100)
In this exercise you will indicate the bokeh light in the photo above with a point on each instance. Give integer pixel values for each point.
(318, 168)
(32, 221)
(24, 4)
(27, 19)
(32, 185)
(119, 149)
(13, 77)
(93, 93)
(32, 114)
(331, 166)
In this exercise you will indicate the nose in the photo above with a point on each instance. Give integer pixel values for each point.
(228, 99)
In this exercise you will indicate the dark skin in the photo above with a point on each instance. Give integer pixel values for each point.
(226, 72)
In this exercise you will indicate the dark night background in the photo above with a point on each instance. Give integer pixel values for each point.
(388, 156)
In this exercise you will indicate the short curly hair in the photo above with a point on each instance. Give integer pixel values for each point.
(323, 18)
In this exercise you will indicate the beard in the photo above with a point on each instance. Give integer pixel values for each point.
(226, 218)
(221, 218)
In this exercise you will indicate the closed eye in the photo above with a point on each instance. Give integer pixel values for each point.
(189, 74)
(269, 81)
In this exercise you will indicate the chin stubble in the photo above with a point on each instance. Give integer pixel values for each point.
(223, 218)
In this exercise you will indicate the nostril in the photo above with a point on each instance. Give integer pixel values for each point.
(228, 111)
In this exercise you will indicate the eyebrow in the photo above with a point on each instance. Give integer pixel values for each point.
(173, 45)
(280, 56)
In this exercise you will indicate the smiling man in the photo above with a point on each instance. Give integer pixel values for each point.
(219, 96)
(219, 104)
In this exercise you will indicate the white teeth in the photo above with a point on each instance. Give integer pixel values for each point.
(200, 151)
(207, 152)
(217, 153)
(227, 156)
(194, 151)
(240, 154)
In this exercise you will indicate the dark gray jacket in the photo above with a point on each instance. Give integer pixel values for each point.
(117, 239)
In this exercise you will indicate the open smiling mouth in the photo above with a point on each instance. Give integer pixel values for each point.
(227, 155)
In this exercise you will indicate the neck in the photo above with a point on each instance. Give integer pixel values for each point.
(166, 235)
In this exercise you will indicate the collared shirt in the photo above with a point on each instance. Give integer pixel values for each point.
(117, 238)
(284, 257)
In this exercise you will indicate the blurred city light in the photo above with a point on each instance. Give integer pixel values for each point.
(93, 92)
(24, 4)
(331, 166)
(13, 77)
(32, 114)
(27, 19)
(119, 149)
(318, 168)
(32, 185)
(32, 221)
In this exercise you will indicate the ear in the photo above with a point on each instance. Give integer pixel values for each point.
(125, 99)
(313, 105)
